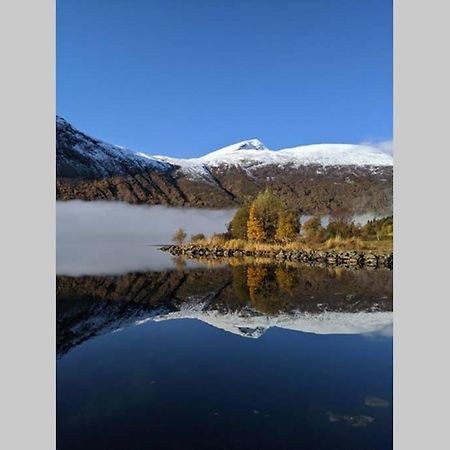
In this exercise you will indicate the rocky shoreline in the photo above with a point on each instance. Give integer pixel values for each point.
(321, 257)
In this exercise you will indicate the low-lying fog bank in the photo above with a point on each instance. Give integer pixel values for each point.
(95, 238)
(99, 238)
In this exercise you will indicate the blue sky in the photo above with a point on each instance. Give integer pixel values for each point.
(185, 77)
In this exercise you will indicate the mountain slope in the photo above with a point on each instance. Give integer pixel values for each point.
(313, 178)
(80, 155)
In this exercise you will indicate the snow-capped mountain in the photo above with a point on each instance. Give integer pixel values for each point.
(81, 155)
(314, 178)
(107, 159)
(253, 153)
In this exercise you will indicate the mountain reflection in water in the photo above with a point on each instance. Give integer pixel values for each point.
(277, 356)
(242, 299)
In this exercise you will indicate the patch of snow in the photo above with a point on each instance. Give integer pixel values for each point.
(337, 155)
(192, 168)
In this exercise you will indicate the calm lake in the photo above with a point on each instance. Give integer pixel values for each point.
(160, 353)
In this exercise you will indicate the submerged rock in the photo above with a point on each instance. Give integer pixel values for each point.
(359, 421)
(376, 402)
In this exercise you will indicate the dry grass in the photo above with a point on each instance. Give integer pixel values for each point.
(339, 243)
(384, 245)
(336, 243)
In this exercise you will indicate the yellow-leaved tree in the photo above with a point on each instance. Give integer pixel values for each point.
(288, 226)
(267, 207)
(255, 228)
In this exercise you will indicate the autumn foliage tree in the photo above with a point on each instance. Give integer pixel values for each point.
(313, 230)
(265, 220)
(267, 207)
(288, 226)
(197, 237)
(255, 227)
(179, 236)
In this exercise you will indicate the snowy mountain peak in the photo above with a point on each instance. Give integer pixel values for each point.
(253, 153)
(251, 144)
(61, 121)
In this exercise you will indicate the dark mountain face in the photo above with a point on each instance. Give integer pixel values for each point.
(89, 169)
(81, 156)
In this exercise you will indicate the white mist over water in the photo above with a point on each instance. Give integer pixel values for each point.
(358, 219)
(110, 238)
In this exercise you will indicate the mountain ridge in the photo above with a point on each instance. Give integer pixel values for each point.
(249, 154)
(314, 178)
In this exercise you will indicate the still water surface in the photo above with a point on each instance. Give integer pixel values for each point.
(154, 353)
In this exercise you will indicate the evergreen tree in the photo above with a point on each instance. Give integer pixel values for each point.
(238, 226)
(255, 229)
(343, 229)
(378, 228)
(288, 226)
